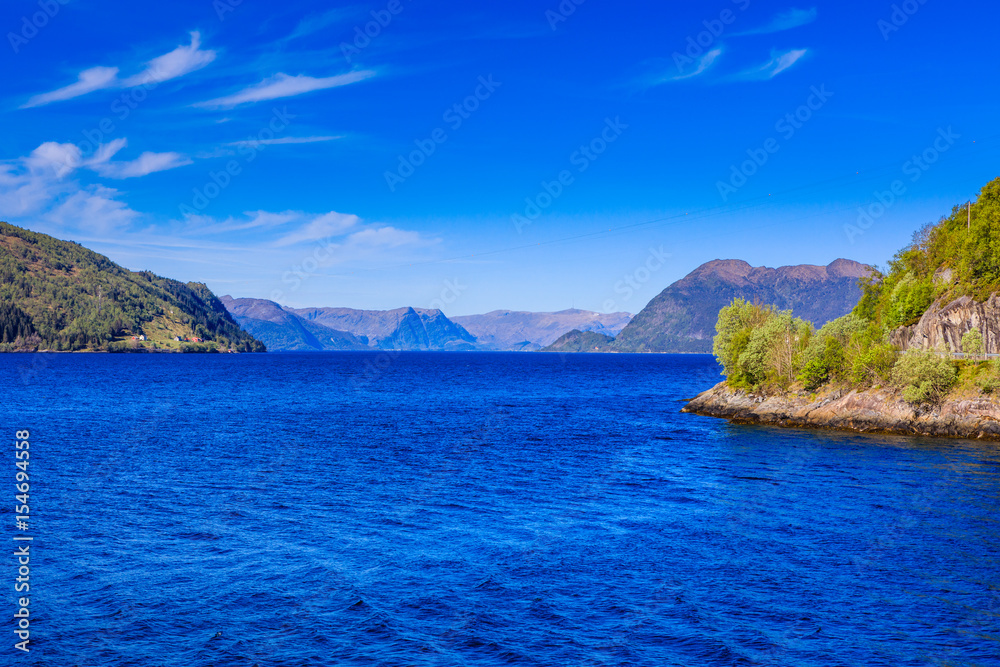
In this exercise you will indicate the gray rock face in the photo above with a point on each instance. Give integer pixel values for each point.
(945, 322)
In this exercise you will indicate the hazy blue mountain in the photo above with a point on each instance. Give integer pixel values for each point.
(581, 341)
(398, 329)
(682, 317)
(519, 330)
(282, 330)
(287, 328)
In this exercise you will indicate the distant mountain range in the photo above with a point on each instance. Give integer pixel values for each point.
(57, 295)
(319, 329)
(682, 317)
(518, 330)
(303, 329)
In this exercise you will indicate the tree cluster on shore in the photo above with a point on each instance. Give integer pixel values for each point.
(762, 348)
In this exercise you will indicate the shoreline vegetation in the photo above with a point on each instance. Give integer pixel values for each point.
(911, 358)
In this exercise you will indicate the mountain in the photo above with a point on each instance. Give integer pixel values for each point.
(682, 317)
(518, 330)
(283, 330)
(581, 341)
(58, 295)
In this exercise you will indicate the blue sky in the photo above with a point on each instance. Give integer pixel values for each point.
(523, 155)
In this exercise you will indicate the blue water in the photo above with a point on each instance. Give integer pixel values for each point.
(478, 509)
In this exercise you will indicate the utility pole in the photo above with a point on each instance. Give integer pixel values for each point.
(968, 225)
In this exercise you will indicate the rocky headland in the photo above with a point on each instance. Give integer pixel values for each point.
(863, 411)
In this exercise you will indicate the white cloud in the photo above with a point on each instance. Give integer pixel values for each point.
(793, 18)
(54, 158)
(40, 186)
(703, 64)
(324, 226)
(283, 85)
(25, 193)
(94, 208)
(147, 163)
(105, 152)
(381, 237)
(285, 140)
(206, 225)
(779, 63)
(89, 80)
(182, 60)
(315, 23)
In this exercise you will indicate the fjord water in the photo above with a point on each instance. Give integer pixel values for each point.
(478, 509)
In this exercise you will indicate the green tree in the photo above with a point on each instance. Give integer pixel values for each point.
(972, 342)
(924, 376)
(733, 328)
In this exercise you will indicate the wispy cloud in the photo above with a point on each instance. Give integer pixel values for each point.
(147, 163)
(283, 85)
(41, 187)
(324, 226)
(779, 63)
(793, 18)
(316, 22)
(205, 225)
(95, 208)
(38, 188)
(702, 65)
(182, 60)
(89, 80)
(285, 140)
(385, 237)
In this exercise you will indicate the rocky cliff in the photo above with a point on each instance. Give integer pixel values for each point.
(872, 411)
(947, 320)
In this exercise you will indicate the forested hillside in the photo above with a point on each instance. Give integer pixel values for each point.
(958, 257)
(58, 295)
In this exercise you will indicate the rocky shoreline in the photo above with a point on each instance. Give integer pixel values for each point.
(870, 411)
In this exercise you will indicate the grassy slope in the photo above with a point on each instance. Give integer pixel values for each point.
(77, 299)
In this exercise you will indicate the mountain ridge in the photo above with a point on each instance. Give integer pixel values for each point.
(526, 330)
(682, 317)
